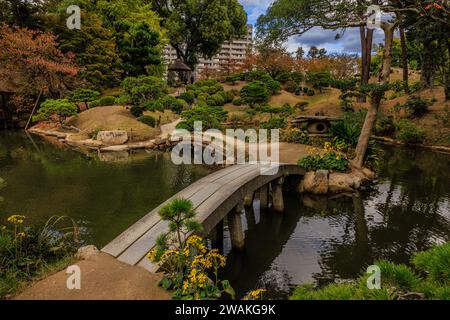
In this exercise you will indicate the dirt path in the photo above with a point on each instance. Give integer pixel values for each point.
(167, 129)
(102, 278)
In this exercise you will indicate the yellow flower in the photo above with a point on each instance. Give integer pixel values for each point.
(21, 235)
(16, 219)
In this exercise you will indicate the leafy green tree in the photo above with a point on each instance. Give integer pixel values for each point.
(199, 27)
(143, 88)
(319, 80)
(59, 108)
(139, 47)
(255, 92)
(85, 96)
(94, 47)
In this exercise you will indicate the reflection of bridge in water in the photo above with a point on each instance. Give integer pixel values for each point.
(219, 195)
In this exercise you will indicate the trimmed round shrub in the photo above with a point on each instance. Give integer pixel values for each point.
(148, 120)
(59, 108)
(291, 86)
(216, 100)
(153, 106)
(188, 96)
(255, 92)
(137, 111)
(301, 105)
(237, 102)
(107, 101)
(416, 106)
(310, 92)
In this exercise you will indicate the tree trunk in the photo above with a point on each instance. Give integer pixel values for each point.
(404, 60)
(366, 132)
(388, 29)
(427, 66)
(375, 100)
(366, 36)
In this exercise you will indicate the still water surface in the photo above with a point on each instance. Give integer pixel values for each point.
(316, 240)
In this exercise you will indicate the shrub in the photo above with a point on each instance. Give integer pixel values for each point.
(346, 132)
(310, 92)
(273, 85)
(26, 251)
(385, 126)
(396, 280)
(274, 123)
(228, 96)
(291, 86)
(237, 102)
(172, 103)
(188, 96)
(148, 120)
(144, 88)
(329, 158)
(444, 118)
(301, 105)
(154, 105)
(137, 111)
(211, 118)
(60, 108)
(294, 135)
(408, 132)
(416, 87)
(416, 106)
(233, 78)
(216, 100)
(319, 80)
(107, 101)
(255, 92)
(84, 95)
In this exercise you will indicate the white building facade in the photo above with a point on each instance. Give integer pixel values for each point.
(232, 55)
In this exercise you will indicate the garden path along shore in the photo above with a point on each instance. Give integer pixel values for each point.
(102, 278)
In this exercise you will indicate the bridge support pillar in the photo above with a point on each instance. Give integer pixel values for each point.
(264, 196)
(236, 230)
(277, 195)
(248, 199)
(216, 236)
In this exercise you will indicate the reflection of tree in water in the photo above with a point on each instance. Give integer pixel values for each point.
(411, 216)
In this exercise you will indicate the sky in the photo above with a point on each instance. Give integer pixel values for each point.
(349, 43)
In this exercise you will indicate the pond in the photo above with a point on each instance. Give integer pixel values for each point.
(104, 196)
(319, 240)
(316, 240)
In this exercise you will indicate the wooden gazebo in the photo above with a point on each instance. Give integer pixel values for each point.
(179, 72)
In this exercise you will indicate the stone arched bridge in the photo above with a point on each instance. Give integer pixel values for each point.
(215, 196)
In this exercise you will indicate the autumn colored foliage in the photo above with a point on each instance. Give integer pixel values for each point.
(32, 60)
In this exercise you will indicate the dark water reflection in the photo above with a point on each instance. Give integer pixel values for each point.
(319, 240)
(316, 240)
(104, 196)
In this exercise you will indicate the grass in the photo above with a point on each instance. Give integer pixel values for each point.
(429, 275)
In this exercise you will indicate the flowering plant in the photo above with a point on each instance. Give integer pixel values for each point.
(329, 158)
(185, 259)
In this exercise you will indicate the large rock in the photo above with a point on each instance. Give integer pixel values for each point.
(86, 252)
(341, 182)
(315, 182)
(113, 138)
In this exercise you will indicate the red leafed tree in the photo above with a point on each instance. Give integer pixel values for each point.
(272, 60)
(32, 61)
